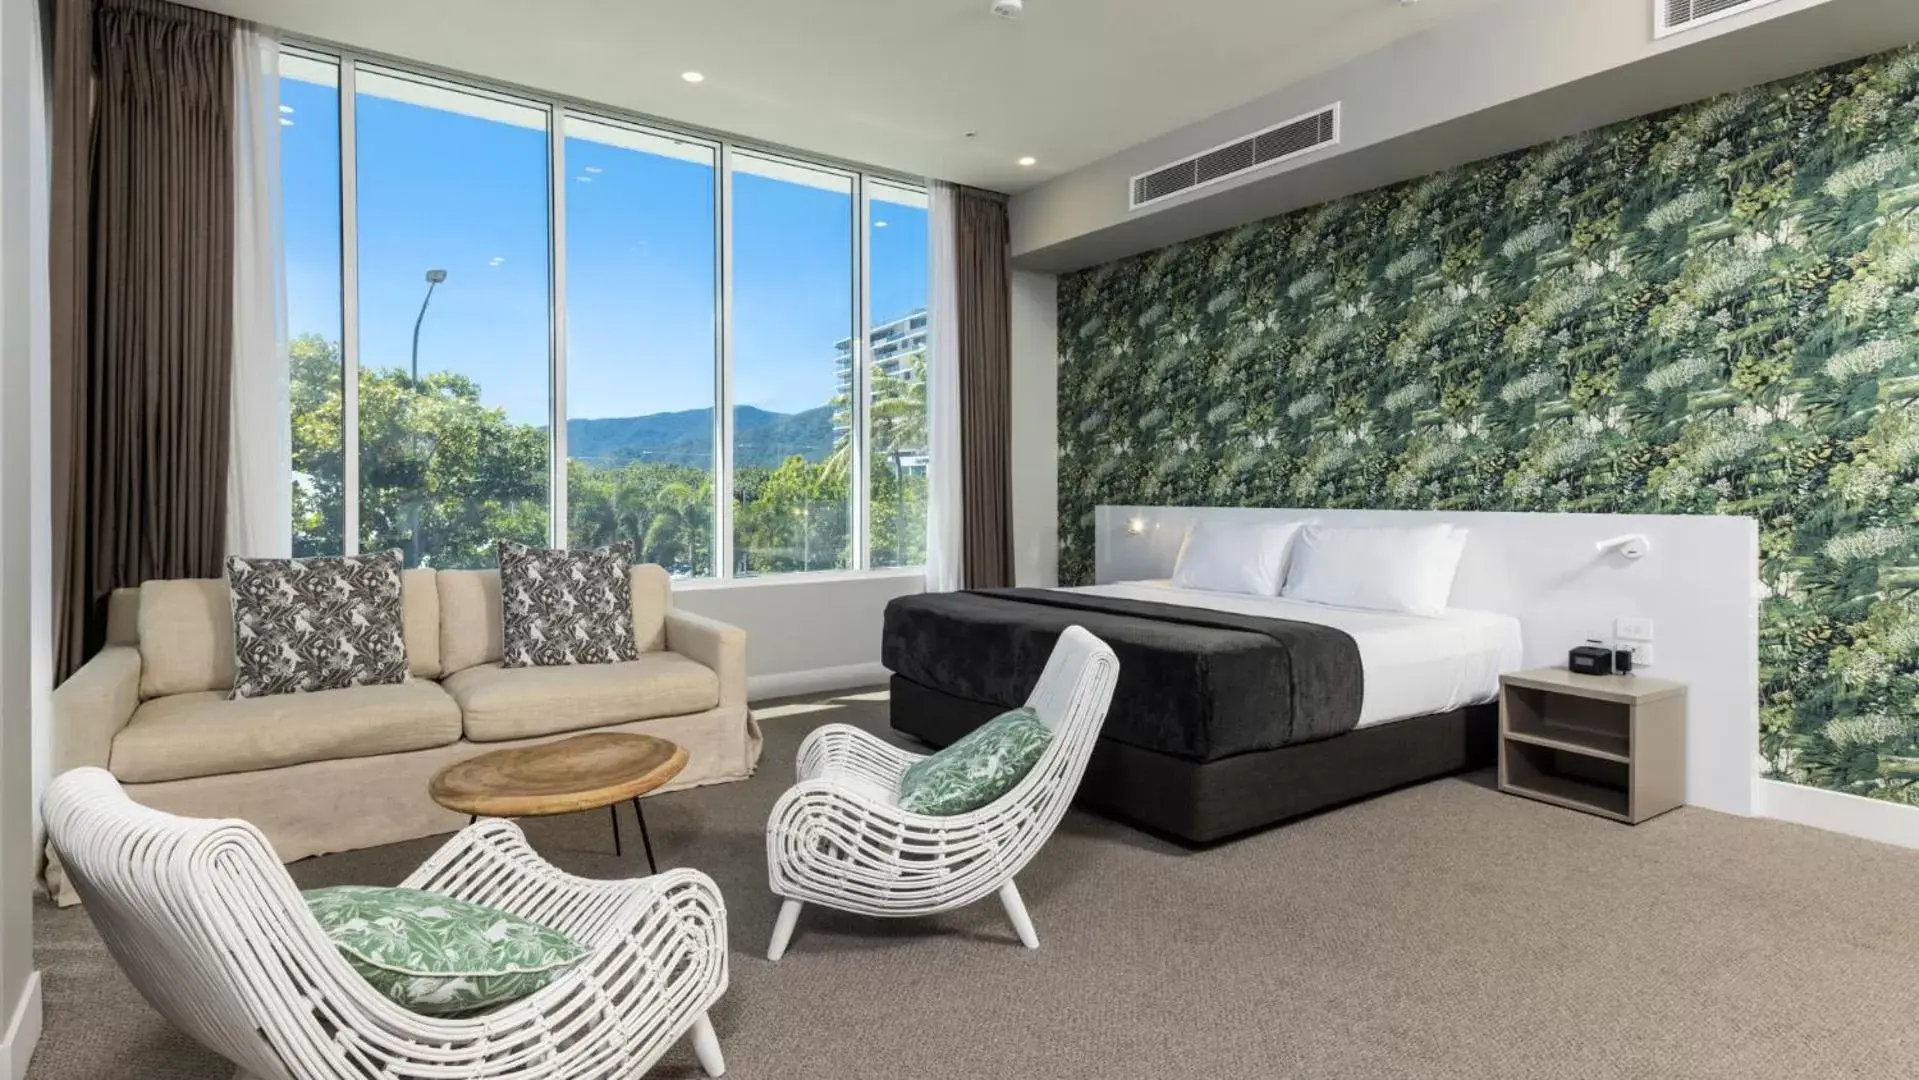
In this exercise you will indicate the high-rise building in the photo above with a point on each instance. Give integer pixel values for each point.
(891, 343)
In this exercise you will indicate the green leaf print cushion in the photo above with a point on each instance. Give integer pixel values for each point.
(435, 955)
(977, 769)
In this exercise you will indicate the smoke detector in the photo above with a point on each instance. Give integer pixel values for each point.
(1008, 9)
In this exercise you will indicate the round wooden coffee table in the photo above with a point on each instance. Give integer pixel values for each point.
(585, 772)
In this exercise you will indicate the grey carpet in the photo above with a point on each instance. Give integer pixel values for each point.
(1442, 931)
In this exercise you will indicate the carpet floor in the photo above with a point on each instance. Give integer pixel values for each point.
(1442, 931)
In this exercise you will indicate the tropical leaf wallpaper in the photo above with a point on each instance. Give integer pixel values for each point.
(1710, 310)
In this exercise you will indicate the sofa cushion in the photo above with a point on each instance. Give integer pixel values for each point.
(501, 703)
(324, 623)
(562, 606)
(470, 630)
(186, 636)
(469, 619)
(205, 734)
(652, 599)
(185, 631)
(420, 597)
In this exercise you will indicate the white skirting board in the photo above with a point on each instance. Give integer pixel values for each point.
(22, 1034)
(817, 681)
(1836, 811)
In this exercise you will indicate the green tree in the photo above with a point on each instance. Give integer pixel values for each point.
(793, 518)
(899, 431)
(437, 463)
(430, 452)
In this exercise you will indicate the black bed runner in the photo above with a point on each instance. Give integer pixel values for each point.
(1194, 682)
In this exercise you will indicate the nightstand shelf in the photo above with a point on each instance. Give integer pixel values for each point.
(1611, 745)
(1581, 745)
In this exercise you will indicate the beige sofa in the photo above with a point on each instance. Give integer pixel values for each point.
(345, 769)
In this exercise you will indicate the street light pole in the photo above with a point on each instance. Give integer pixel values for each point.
(433, 278)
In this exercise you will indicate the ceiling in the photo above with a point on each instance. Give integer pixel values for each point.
(889, 83)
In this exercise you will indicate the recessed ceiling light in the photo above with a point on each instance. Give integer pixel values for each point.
(879, 224)
(1029, 162)
(288, 109)
(284, 122)
(692, 76)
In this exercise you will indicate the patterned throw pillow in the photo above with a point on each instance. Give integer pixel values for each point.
(566, 607)
(977, 769)
(436, 955)
(316, 624)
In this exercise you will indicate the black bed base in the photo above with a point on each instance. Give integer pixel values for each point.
(1201, 802)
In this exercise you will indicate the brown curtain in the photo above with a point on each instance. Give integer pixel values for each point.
(985, 374)
(142, 283)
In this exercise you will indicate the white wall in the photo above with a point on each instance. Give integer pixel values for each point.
(22, 185)
(1035, 318)
(805, 632)
(41, 435)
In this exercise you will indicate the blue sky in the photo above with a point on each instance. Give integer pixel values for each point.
(444, 190)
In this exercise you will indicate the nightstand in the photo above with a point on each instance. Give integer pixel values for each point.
(1612, 745)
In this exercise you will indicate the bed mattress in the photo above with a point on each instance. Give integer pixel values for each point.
(1414, 665)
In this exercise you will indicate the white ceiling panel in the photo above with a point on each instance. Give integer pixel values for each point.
(891, 83)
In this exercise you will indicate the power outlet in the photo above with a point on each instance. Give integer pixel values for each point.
(1632, 629)
(1641, 653)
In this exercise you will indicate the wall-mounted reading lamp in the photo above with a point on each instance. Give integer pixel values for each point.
(1631, 546)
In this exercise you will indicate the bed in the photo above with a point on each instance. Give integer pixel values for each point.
(1234, 711)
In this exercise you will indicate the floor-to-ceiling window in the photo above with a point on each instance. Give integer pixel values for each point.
(310, 169)
(794, 417)
(896, 265)
(455, 301)
(518, 317)
(642, 341)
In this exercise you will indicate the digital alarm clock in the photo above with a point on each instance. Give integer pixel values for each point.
(1590, 660)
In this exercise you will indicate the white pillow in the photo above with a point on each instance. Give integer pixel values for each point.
(1383, 568)
(1234, 558)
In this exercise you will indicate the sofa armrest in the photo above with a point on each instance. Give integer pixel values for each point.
(91, 707)
(716, 644)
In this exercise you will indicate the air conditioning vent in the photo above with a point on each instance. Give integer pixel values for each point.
(1678, 16)
(1270, 146)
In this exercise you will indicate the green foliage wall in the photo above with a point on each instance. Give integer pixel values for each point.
(1712, 310)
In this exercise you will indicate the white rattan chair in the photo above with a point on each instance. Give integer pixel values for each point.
(207, 924)
(838, 839)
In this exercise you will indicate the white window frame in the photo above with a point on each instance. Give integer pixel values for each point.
(558, 108)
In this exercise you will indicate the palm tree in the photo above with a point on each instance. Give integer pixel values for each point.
(899, 425)
(897, 418)
(678, 524)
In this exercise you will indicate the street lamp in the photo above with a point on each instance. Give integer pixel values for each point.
(433, 278)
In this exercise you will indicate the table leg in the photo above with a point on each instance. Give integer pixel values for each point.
(644, 838)
(615, 811)
(472, 819)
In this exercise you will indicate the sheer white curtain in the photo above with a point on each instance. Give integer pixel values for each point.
(945, 532)
(260, 469)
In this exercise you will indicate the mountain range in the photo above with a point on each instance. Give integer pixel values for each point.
(761, 438)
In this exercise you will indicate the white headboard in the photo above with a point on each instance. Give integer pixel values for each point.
(1698, 584)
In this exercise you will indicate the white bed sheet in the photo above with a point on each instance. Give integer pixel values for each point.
(1414, 665)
